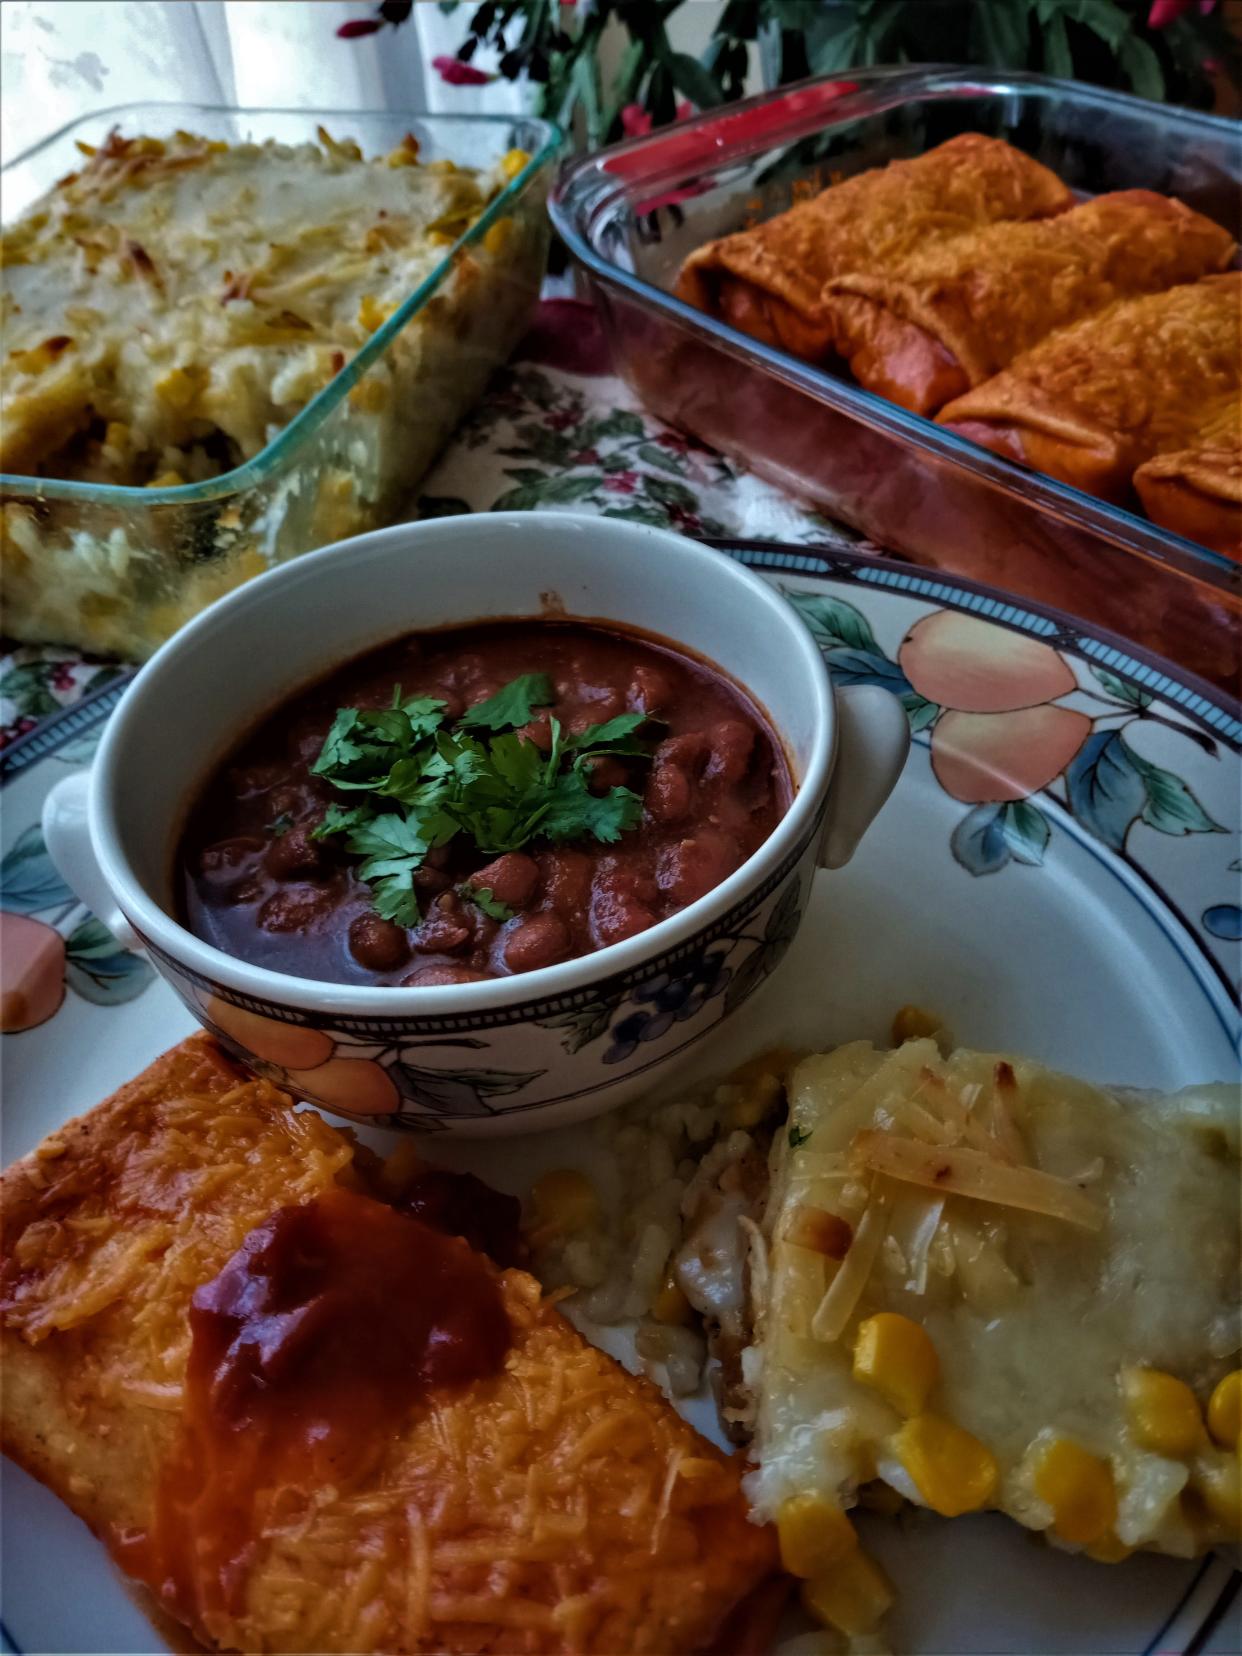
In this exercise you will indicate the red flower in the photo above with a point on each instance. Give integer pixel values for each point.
(1164, 12)
(358, 27)
(456, 73)
(18, 728)
(688, 522)
(624, 482)
(673, 440)
(562, 419)
(585, 457)
(62, 676)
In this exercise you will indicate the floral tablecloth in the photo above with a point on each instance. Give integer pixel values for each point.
(557, 429)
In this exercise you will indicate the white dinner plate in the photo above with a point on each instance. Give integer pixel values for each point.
(1093, 924)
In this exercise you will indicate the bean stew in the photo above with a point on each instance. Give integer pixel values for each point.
(476, 802)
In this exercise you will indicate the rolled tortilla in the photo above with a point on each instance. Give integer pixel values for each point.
(1093, 402)
(955, 313)
(1197, 492)
(769, 281)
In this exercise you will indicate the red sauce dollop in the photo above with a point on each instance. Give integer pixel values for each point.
(308, 1351)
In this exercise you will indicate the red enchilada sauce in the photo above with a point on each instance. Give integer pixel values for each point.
(308, 1352)
(257, 883)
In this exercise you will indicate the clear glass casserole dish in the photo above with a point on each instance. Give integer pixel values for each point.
(631, 214)
(117, 568)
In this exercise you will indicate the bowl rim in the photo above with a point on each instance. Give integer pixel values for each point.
(186, 952)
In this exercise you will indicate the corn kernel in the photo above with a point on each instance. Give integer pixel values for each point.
(371, 314)
(1224, 1411)
(814, 1535)
(853, 1597)
(912, 1023)
(1078, 1486)
(564, 1200)
(952, 1470)
(176, 388)
(670, 1305)
(1108, 1550)
(166, 480)
(498, 236)
(1216, 1480)
(116, 435)
(897, 1357)
(512, 163)
(1163, 1411)
(370, 395)
(443, 168)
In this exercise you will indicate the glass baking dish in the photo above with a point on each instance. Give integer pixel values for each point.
(116, 569)
(632, 213)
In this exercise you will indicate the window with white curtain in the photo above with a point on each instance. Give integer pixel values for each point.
(63, 58)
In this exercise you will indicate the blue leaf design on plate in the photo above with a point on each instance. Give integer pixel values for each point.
(832, 621)
(1106, 788)
(99, 970)
(1026, 831)
(989, 836)
(1132, 694)
(979, 842)
(850, 666)
(1171, 807)
(28, 878)
(1224, 920)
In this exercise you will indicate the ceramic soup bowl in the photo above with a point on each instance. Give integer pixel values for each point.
(516, 1053)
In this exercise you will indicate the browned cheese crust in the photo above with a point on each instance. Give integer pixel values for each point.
(559, 1505)
(955, 313)
(769, 281)
(1197, 492)
(1094, 401)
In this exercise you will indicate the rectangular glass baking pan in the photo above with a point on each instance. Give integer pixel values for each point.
(117, 569)
(632, 213)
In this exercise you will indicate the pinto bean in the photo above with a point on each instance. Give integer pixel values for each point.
(566, 882)
(444, 928)
(619, 904)
(606, 773)
(511, 879)
(668, 794)
(651, 690)
(432, 977)
(538, 731)
(537, 940)
(295, 908)
(732, 743)
(378, 944)
(220, 862)
(690, 868)
(294, 855)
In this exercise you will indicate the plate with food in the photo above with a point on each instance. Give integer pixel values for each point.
(920, 1272)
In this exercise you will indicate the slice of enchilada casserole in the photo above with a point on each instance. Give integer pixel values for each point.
(308, 1421)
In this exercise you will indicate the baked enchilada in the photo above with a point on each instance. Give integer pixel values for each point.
(309, 1421)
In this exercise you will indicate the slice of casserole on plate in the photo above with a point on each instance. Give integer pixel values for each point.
(984, 1285)
(308, 1421)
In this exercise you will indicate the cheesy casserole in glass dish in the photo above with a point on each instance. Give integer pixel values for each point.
(241, 339)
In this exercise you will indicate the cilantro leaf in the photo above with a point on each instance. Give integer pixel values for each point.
(483, 898)
(420, 782)
(338, 819)
(511, 706)
(613, 736)
(574, 812)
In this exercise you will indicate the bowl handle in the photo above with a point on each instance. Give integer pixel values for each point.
(873, 739)
(67, 835)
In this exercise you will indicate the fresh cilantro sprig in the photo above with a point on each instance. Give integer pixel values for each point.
(417, 780)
